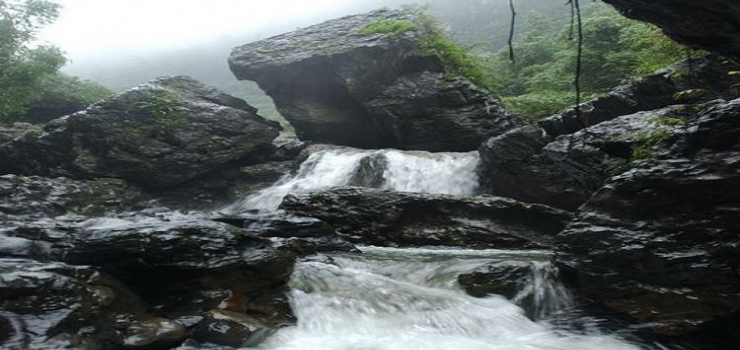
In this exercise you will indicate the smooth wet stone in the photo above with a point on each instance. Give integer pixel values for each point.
(230, 329)
(55, 305)
(23, 197)
(154, 333)
(505, 278)
(305, 235)
(382, 217)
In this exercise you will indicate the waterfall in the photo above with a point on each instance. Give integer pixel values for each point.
(409, 299)
(405, 299)
(407, 171)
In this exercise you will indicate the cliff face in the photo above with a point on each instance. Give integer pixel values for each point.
(712, 25)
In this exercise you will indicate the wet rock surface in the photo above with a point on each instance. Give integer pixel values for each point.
(534, 286)
(659, 242)
(513, 165)
(526, 164)
(159, 134)
(337, 84)
(592, 155)
(35, 196)
(55, 305)
(381, 217)
(178, 271)
(711, 25)
(504, 278)
(303, 234)
(222, 187)
(155, 275)
(692, 81)
(230, 329)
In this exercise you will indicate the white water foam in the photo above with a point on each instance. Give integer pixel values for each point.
(404, 299)
(406, 171)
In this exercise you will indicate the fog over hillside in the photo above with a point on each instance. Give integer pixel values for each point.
(120, 44)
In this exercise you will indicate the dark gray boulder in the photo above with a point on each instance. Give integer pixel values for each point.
(222, 187)
(694, 80)
(534, 286)
(24, 197)
(159, 134)
(181, 269)
(181, 255)
(381, 217)
(11, 132)
(342, 82)
(306, 235)
(506, 278)
(513, 165)
(592, 155)
(712, 25)
(659, 243)
(528, 165)
(55, 306)
(230, 329)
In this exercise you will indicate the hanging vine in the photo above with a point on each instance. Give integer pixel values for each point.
(511, 31)
(576, 27)
(576, 6)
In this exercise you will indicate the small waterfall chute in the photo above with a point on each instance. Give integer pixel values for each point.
(406, 171)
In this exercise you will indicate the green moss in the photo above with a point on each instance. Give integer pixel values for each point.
(645, 141)
(539, 105)
(453, 57)
(433, 41)
(391, 27)
(164, 108)
(160, 112)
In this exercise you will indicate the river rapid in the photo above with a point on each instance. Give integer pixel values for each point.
(409, 298)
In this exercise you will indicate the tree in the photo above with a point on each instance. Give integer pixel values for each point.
(24, 67)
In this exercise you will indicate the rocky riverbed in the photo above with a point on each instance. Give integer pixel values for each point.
(171, 215)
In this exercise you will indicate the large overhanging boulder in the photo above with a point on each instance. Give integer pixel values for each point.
(158, 134)
(712, 25)
(373, 80)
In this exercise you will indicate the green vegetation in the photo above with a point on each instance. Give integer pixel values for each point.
(540, 81)
(434, 42)
(156, 114)
(391, 27)
(29, 75)
(646, 140)
(163, 110)
(60, 94)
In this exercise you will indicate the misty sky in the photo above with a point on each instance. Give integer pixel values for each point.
(90, 27)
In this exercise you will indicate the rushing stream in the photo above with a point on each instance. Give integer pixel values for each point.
(405, 299)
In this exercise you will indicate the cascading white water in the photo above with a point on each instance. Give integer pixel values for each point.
(442, 173)
(406, 299)
(407, 171)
